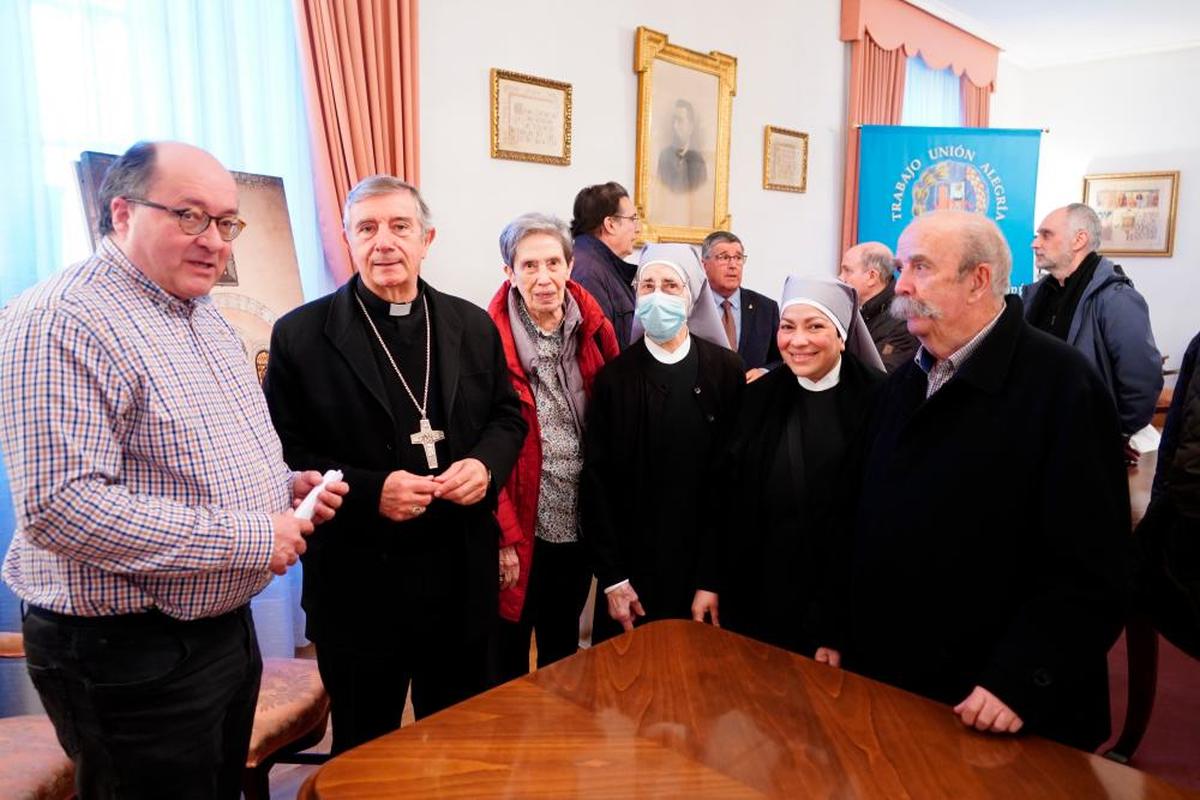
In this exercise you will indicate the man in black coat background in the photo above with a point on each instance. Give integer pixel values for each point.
(1169, 534)
(868, 268)
(988, 550)
(404, 389)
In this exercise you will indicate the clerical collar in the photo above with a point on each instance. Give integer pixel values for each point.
(829, 380)
(382, 308)
(664, 356)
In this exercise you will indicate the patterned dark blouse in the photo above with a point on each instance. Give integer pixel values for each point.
(562, 453)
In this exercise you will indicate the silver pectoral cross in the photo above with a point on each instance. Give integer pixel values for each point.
(426, 437)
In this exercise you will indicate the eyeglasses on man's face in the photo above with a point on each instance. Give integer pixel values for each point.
(634, 218)
(194, 221)
(725, 259)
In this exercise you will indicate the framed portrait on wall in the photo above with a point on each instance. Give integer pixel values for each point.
(785, 159)
(1136, 210)
(531, 118)
(685, 106)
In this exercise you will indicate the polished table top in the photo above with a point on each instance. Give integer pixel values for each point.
(679, 709)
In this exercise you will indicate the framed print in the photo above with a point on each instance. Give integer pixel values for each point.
(261, 282)
(1137, 211)
(531, 118)
(685, 104)
(785, 159)
(90, 170)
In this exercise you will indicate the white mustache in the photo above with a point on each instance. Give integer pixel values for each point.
(911, 308)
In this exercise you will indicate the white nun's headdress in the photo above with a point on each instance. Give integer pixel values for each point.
(839, 303)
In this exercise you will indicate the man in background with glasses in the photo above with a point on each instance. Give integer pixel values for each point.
(750, 319)
(605, 227)
(151, 496)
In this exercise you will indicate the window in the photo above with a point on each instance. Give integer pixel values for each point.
(99, 75)
(931, 96)
(102, 74)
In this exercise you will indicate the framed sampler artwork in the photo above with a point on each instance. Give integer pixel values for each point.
(531, 118)
(785, 159)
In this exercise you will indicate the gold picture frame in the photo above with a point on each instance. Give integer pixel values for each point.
(785, 159)
(531, 118)
(685, 109)
(1136, 210)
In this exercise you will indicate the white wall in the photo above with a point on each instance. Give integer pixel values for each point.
(1134, 114)
(791, 72)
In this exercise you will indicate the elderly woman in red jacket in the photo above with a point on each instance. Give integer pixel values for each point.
(556, 338)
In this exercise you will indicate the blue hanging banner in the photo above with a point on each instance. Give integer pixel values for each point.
(907, 171)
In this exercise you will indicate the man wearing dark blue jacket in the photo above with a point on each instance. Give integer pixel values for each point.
(987, 564)
(604, 227)
(1088, 302)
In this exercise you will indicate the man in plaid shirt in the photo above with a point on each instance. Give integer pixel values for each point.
(151, 497)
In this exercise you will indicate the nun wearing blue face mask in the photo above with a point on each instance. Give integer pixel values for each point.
(786, 462)
(660, 415)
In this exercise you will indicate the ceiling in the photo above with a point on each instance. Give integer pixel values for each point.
(1042, 33)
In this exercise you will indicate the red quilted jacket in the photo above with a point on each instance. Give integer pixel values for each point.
(517, 508)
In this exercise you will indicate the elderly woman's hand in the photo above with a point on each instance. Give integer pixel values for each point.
(624, 606)
(510, 567)
(827, 655)
(984, 711)
(704, 604)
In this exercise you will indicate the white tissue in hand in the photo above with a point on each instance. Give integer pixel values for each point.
(309, 504)
(1146, 440)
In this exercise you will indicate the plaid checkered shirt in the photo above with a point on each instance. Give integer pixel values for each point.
(141, 456)
(938, 373)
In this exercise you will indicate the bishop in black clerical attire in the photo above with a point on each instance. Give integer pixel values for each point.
(405, 390)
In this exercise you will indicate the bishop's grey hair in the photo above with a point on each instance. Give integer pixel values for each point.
(377, 185)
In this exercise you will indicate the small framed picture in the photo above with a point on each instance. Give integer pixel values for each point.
(531, 118)
(1136, 210)
(785, 159)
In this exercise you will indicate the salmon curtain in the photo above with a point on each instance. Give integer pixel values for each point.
(876, 98)
(358, 60)
(881, 34)
(976, 103)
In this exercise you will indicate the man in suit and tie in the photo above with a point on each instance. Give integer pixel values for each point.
(750, 319)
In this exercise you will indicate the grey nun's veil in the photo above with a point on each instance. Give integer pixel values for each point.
(839, 302)
(703, 319)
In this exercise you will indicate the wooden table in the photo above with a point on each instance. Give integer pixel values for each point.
(680, 709)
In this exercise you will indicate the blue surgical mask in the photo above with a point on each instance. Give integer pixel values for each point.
(661, 315)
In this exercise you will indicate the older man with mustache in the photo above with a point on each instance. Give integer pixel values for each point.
(987, 557)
